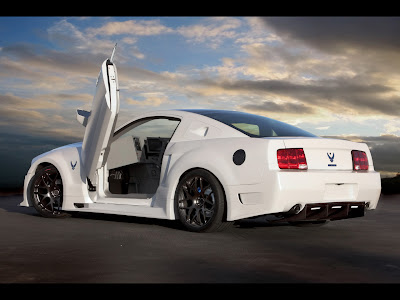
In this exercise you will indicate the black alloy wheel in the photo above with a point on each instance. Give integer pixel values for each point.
(47, 193)
(200, 202)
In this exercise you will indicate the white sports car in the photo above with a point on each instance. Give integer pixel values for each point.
(205, 168)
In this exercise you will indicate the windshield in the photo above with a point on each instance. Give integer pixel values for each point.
(253, 125)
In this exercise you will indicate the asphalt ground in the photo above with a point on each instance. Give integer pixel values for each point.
(92, 248)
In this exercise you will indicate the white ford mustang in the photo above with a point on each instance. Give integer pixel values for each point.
(205, 168)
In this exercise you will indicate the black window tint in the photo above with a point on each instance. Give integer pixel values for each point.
(254, 125)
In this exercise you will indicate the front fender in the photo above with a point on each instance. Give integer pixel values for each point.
(67, 160)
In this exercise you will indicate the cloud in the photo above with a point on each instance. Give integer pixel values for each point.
(366, 46)
(323, 128)
(333, 34)
(45, 115)
(150, 99)
(45, 66)
(214, 31)
(15, 102)
(337, 95)
(131, 27)
(69, 37)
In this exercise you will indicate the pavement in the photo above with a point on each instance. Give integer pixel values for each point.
(90, 248)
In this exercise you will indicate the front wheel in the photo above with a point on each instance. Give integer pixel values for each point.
(47, 193)
(200, 202)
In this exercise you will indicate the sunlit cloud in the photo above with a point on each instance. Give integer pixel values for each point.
(132, 27)
(213, 31)
(150, 99)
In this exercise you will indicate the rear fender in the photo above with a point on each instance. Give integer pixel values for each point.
(215, 156)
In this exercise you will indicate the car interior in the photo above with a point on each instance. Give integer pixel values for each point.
(134, 164)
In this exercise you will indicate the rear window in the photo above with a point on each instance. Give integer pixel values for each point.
(254, 125)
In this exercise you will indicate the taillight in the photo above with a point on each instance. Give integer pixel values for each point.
(292, 159)
(360, 160)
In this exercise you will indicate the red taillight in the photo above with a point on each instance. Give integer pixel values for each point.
(360, 160)
(292, 159)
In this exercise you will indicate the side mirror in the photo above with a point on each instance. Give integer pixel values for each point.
(82, 116)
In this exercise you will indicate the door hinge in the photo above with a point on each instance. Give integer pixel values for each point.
(91, 187)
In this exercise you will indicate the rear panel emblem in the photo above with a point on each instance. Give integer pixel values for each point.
(73, 165)
(331, 157)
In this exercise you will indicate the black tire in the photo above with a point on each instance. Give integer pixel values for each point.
(47, 193)
(200, 202)
(309, 223)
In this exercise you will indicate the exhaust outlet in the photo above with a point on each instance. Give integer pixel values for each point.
(294, 210)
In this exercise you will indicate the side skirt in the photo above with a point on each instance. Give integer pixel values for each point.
(123, 209)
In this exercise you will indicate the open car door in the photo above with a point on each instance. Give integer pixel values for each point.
(100, 121)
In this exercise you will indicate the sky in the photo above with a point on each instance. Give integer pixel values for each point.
(332, 76)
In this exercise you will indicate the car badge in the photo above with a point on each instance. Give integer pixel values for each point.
(73, 165)
(331, 157)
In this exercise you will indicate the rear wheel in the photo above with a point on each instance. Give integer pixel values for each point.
(200, 202)
(47, 193)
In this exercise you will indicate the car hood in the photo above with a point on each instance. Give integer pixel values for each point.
(74, 145)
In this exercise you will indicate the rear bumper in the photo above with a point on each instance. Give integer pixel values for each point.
(280, 191)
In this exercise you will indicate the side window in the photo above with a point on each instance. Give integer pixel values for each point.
(160, 127)
(250, 128)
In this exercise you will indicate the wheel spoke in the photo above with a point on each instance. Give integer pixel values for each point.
(205, 189)
(188, 188)
(48, 176)
(51, 203)
(185, 191)
(45, 201)
(183, 204)
(203, 216)
(188, 215)
(198, 217)
(209, 202)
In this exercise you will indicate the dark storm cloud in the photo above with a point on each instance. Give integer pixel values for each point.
(331, 34)
(56, 61)
(34, 63)
(335, 94)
